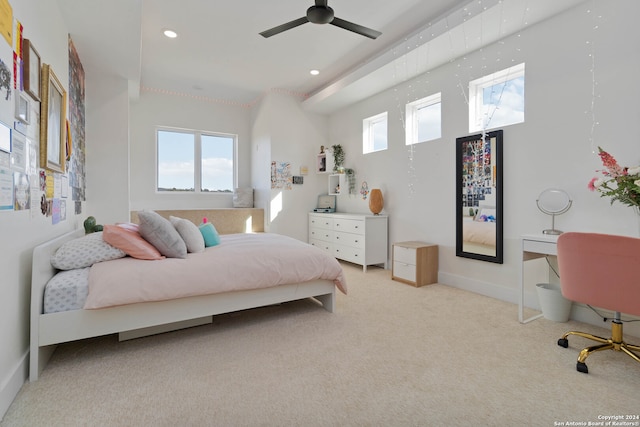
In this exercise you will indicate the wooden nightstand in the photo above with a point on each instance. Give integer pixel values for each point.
(415, 263)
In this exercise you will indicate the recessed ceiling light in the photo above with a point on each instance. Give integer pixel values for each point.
(314, 72)
(170, 33)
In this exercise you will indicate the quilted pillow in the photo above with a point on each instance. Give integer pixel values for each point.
(189, 233)
(130, 242)
(160, 233)
(84, 252)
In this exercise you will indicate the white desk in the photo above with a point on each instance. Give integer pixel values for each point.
(534, 246)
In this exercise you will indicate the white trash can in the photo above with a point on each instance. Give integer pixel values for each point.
(554, 306)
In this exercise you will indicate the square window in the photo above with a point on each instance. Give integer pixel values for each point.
(424, 120)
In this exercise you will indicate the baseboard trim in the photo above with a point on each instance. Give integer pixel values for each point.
(13, 383)
(579, 312)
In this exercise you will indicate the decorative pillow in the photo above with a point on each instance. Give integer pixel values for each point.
(84, 252)
(243, 198)
(189, 233)
(210, 234)
(123, 237)
(486, 214)
(160, 233)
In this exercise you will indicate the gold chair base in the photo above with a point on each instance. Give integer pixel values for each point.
(614, 343)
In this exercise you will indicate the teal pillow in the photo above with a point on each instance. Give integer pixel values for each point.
(210, 234)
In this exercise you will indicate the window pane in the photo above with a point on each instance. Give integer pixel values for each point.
(429, 122)
(379, 131)
(503, 103)
(217, 163)
(175, 161)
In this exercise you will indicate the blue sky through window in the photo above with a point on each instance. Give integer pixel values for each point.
(177, 157)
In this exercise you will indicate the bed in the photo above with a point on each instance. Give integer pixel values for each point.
(479, 232)
(140, 316)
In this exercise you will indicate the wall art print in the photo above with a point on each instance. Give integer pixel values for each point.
(281, 176)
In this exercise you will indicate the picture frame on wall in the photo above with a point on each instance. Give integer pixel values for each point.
(23, 108)
(31, 69)
(52, 122)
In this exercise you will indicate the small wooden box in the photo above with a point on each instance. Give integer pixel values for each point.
(415, 263)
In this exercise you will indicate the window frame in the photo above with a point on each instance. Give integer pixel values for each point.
(477, 113)
(412, 123)
(368, 143)
(197, 160)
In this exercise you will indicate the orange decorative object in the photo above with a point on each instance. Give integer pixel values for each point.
(376, 202)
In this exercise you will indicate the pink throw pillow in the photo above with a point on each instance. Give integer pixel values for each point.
(130, 242)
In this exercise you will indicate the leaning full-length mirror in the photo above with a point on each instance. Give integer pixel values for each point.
(479, 197)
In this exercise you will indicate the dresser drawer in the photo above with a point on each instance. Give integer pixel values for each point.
(321, 234)
(349, 239)
(404, 255)
(349, 226)
(404, 271)
(319, 222)
(326, 246)
(347, 253)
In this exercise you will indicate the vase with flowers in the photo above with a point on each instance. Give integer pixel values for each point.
(620, 183)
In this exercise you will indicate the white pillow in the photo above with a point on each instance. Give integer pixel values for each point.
(84, 252)
(190, 234)
(160, 233)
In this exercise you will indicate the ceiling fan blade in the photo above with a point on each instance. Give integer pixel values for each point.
(284, 27)
(359, 29)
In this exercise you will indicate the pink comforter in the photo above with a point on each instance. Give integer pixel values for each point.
(239, 262)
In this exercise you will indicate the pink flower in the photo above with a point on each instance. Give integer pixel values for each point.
(592, 186)
(610, 163)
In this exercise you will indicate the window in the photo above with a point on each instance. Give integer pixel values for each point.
(196, 162)
(374, 133)
(424, 119)
(497, 99)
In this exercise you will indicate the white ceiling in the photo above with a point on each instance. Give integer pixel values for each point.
(220, 55)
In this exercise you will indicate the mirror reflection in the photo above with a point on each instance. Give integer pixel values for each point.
(479, 197)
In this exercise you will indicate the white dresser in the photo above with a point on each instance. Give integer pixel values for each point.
(357, 238)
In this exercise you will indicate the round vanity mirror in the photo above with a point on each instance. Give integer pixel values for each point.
(553, 201)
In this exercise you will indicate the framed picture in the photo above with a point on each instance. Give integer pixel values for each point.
(53, 119)
(31, 69)
(23, 108)
(479, 220)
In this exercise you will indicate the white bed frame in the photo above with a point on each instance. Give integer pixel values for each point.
(134, 320)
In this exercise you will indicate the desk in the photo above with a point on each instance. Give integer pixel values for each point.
(534, 246)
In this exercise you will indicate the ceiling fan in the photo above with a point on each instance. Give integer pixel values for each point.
(321, 13)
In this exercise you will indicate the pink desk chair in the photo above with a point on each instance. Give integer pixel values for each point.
(601, 270)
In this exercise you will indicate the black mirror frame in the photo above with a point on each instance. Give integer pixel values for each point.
(461, 145)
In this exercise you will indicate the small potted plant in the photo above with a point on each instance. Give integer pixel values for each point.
(338, 158)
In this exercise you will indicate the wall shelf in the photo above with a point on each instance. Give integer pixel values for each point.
(336, 184)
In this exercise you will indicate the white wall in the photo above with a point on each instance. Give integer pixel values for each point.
(551, 149)
(157, 109)
(107, 147)
(20, 231)
(285, 133)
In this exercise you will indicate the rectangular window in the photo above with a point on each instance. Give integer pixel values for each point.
(497, 99)
(374, 133)
(423, 120)
(195, 162)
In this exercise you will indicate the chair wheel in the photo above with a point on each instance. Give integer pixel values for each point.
(563, 342)
(582, 367)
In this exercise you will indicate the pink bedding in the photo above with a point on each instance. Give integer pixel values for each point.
(240, 262)
(483, 233)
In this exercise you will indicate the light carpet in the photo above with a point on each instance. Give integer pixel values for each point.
(391, 355)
